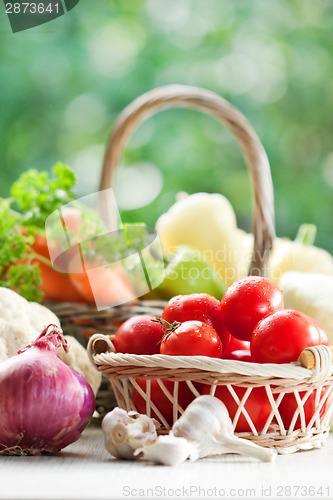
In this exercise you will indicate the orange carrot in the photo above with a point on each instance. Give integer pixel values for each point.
(109, 285)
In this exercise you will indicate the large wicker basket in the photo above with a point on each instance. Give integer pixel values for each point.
(82, 320)
(277, 380)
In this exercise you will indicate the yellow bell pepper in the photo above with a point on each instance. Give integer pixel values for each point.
(299, 255)
(207, 222)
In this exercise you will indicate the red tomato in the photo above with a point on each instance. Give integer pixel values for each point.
(192, 338)
(289, 405)
(235, 345)
(158, 397)
(323, 335)
(139, 335)
(246, 302)
(257, 406)
(197, 306)
(282, 336)
(240, 355)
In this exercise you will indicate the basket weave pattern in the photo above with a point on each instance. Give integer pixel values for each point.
(276, 380)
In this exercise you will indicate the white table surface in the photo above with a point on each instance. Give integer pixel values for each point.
(84, 470)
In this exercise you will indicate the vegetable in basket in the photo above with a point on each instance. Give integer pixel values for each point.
(207, 222)
(162, 407)
(200, 307)
(44, 404)
(246, 302)
(227, 247)
(140, 334)
(299, 255)
(191, 338)
(312, 294)
(188, 271)
(283, 335)
(112, 269)
(257, 405)
(25, 264)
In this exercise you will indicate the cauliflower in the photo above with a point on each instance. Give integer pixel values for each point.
(22, 321)
(77, 358)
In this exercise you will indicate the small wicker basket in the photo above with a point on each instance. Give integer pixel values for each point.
(276, 380)
(302, 433)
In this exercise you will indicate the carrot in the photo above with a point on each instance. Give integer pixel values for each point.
(110, 286)
(57, 286)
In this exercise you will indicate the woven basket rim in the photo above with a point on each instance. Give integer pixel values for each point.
(159, 362)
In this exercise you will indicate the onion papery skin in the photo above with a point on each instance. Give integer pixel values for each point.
(44, 404)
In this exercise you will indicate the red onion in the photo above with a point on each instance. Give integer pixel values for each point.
(44, 404)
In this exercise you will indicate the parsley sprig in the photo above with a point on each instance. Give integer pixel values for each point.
(37, 195)
(34, 196)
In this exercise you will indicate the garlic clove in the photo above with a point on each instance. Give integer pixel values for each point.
(115, 415)
(124, 433)
(169, 450)
(246, 448)
(207, 425)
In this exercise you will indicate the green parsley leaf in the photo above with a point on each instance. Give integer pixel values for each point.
(16, 270)
(37, 195)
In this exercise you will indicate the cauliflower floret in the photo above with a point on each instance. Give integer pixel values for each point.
(41, 316)
(77, 358)
(21, 322)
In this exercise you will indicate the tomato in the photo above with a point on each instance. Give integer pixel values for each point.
(323, 335)
(192, 338)
(282, 336)
(257, 405)
(139, 335)
(235, 345)
(239, 355)
(289, 405)
(197, 306)
(246, 302)
(161, 401)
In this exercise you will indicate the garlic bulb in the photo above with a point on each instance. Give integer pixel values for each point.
(169, 450)
(207, 425)
(125, 432)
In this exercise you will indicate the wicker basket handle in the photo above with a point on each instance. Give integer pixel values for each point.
(171, 96)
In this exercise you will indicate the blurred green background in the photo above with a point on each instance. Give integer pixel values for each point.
(64, 83)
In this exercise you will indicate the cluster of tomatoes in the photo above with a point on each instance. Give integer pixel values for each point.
(249, 324)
